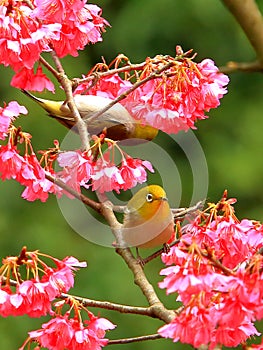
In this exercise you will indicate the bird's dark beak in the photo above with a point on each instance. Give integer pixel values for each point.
(163, 199)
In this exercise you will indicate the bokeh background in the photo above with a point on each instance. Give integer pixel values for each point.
(231, 139)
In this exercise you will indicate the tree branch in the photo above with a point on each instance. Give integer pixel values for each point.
(92, 204)
(67, 87)
(250, 19)
(232, 67)
(134, 339)
(125, 309)
(142, 282)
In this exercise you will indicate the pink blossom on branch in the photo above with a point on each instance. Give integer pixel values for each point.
(102, 175)
(11, 162)
(62, 332)
(171, 101)
(28, 80)
(23, 38)
(216, 270)
(33, 296)
(64, 26)
(8, 114)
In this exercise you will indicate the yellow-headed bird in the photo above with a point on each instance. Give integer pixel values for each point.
(148, 222)
(116, 121)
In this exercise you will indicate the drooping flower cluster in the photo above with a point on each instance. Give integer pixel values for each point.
(25, 169)
(34, 297)
(216, 269)
(28, 29)
(63, 332)
(102, 175)
(176, 102)
(181, 94)
(7, 115)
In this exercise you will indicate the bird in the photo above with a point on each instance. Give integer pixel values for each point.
(116, 123)
(148, 220)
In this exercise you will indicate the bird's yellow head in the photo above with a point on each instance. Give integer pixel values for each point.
(147, 201)
(146, 132)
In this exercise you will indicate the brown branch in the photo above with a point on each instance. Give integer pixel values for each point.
(134, 339)
(140, 279)
(250, 19)
(67, 87)
(232, 67)
(91, 203)
(98, 75)
(181, 213)
(126, 309)
(142, 282)
(49, 67)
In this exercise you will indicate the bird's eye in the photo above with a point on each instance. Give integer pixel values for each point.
(149, 197)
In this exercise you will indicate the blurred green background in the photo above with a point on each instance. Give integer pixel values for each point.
(231, 139)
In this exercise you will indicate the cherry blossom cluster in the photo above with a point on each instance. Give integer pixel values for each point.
(64, 332)
(29, 28)
(8, 114)
(102, 175)
(216, 271)
(170, 101)
(34, 295)
(25, 169)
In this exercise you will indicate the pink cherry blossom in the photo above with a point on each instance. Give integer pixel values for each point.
(133, 171)
(216, 269)
(109, 87)
(172, 102)
(33, 296)
(65, 26)
(176, 103)
(81, 24)
(7, 115)
(28, 80)
(35, 301)
(22, 37)
(10, 162)
(62, 333)
(106, 177)
(61, 278)
(76, 164)
(39, 187)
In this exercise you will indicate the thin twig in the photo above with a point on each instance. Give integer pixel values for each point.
(216, 262)
(66, 84)
(249, 67)
(49, 67)
(134, 339)
(135, 86)
(128, 68)
(126, 309)
(181, 213)
(92, 204)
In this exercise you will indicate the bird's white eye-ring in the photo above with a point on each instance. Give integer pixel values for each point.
(149, 197)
